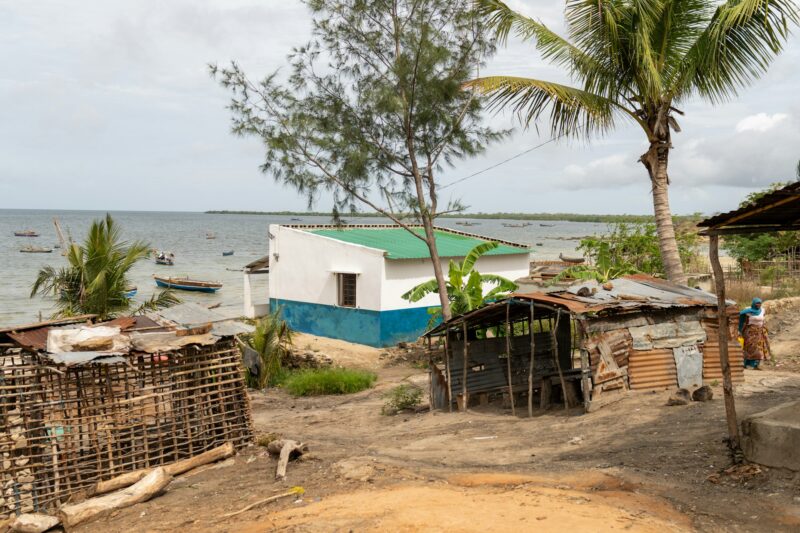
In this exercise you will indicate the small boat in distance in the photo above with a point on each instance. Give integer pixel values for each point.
(187, 284)
(467, 223)
(226, 254)
(35, 250)
(296, 219)
(539, 244)
(574, 260)
(164, 258)
(210, 235)
(26, 233)
(547, 225)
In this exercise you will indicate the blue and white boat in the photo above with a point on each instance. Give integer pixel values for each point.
(187, 284)
(131, 292)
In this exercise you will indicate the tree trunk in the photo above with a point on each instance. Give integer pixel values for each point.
(430, 238)
(656, 160)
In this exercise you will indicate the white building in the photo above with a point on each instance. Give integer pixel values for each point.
(347, 283)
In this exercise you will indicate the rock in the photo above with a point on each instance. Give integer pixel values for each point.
(679, 397)
(34, 523)
(703, 394)
(607, 286)
(356, 469)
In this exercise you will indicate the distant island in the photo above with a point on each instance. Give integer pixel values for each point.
(564, 217)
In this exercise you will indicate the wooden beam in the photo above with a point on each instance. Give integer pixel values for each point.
(464, 394)
(447, 353)
(508, 358)
(746, 230)
(530, 368)
(554, 333)
(722, 319)
(755, 211)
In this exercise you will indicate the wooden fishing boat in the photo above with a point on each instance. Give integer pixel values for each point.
(296, 219)
(35, 250)
(574, 260)
(187, 284)
(226, 254)
(547, 225)
(26, 233)
(131, 292)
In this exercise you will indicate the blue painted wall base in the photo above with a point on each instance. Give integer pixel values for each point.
(373, 328)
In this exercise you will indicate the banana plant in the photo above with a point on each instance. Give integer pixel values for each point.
(465, 284)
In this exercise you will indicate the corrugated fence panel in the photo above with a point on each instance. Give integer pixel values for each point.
(652, 369)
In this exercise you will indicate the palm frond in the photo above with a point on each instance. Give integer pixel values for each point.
(422, 290)
(573, 112)
(160, 300)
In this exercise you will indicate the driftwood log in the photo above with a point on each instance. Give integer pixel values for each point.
(33, 523)
(146, 488)
(286, 449)
(174, 469)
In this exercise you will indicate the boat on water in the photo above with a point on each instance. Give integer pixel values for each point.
(131, 292)
(187, 284)
(467, 223)
(35, 250)
(507, 225)
(164, 258)
(539, 244)
(296, 219)
(26, 233)
(574, 260)
(547, 225)
(210, 235)
(226, 254)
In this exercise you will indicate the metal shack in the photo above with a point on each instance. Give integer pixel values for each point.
(82, 403)
(635, 332)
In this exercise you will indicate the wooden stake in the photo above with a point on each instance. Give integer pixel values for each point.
(464, 397)
(508, 357)
(447, 370)
(722, 318)
(554, 333)
(295, 491)
(530, 369)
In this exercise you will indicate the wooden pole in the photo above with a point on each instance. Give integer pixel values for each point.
(447, 369)
(508, 357)
(530, 368)
(554, 333)
(722, 319)
(464, 397)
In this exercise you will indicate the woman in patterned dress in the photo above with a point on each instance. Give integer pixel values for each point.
(754, 332)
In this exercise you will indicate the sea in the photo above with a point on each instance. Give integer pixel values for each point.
(196, 256)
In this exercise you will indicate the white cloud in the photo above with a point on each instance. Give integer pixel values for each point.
(761, 122)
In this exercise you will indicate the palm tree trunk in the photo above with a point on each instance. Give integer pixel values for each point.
(656, 160)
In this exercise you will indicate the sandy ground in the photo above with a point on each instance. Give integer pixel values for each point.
(635, 465)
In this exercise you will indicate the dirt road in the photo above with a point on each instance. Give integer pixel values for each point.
(637, 465)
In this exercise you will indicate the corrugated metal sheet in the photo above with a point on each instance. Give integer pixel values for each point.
(777, 208)
(398, 243)
(652, 369)
(712, 368)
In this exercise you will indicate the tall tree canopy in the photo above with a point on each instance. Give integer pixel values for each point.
(637, 61)
(373, 109)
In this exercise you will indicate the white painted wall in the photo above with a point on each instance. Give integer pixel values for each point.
(302, 267)
(403, 274)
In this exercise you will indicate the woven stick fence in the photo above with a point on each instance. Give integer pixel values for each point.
(64, 429)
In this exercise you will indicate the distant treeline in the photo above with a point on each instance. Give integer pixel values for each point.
(567, 217)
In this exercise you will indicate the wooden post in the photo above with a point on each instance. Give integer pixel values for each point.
(508, 356)
(586, 368)
(431, 401)
(464, 395)
(722, 319)
(530, 368)
(554, 333)
(447, 369)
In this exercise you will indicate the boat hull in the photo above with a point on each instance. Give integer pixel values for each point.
(176, 284)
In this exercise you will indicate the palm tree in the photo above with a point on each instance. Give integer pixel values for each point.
(272, 342)
(464, 284)
(96, 279)
(638, 60)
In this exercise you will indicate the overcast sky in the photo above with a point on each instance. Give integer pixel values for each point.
(107, 104)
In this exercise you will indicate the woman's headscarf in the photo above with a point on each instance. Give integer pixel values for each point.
(748, 311)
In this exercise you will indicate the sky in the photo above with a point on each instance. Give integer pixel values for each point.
(108, 105)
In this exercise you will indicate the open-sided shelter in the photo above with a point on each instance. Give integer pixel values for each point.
(636, 332)
(82, 403)
(778, 210)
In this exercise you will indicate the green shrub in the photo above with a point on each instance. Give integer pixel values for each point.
(317, 381)
(401, 397)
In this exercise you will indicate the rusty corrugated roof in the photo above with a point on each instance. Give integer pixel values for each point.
(772, 212)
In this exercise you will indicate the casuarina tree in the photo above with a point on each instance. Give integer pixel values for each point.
(373, 109)
(640, 60)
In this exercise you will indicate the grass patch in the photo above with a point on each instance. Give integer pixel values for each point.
(318, 381)
(401, 397)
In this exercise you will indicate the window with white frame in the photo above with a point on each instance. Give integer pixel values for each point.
(346, 288)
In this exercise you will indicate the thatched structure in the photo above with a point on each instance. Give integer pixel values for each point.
(83, 403)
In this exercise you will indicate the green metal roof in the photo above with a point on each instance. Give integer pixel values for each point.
(398, 243)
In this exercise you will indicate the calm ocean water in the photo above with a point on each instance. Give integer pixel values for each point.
(185, 235)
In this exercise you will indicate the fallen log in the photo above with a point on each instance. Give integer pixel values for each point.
(79, 513)
(174, 469)
(286, 449)
(33, 523)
